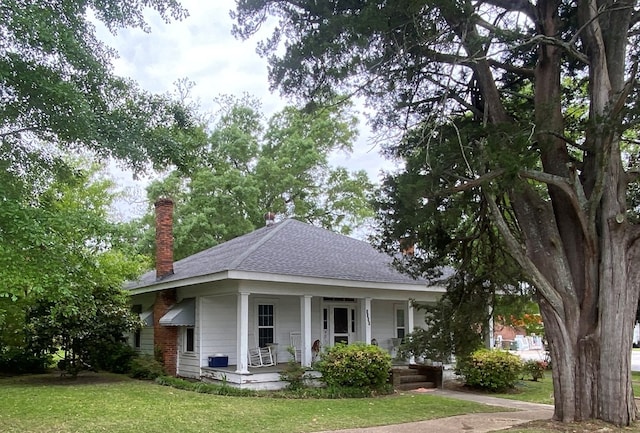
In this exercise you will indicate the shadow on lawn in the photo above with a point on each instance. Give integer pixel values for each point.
(55, 378)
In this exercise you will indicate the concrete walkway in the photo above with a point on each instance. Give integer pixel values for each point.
(472, 423)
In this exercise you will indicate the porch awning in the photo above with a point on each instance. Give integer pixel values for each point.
(181, 314)
(147, 317)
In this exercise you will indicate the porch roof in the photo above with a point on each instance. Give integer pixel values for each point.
(290, 248)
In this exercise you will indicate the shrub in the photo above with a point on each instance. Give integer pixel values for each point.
(21, 361)
(355, 366)
(146, 367)
(492, 370)
(115, 357)
(293, 372)
(534, 368)
(204, 388)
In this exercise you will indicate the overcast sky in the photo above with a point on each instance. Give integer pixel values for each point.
(202, 49)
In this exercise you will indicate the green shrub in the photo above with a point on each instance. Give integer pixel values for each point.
(115, 357)
(356, 365)
(21, 361)
(204, 388)
(145, 367)
(293, 372)
(534, 368)
(492, 370)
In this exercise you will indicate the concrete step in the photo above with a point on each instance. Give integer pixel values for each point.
(406, 378)
(414, 385)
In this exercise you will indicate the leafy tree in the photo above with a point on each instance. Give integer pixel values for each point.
(248, 166)
(57, 86)
(515, 115)
(61, 276)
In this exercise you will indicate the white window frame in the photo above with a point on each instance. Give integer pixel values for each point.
(396, 325)
(257, 326)
(185, 345)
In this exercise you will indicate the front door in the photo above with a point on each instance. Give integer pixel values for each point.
(341, 323)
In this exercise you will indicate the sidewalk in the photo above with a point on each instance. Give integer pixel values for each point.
(472, 423)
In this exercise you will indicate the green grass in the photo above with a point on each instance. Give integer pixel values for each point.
(542, 390)
(110, 403)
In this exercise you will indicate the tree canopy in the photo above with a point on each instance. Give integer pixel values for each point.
(62, 265)
(58, 90)
(248, 165)
(518, 125)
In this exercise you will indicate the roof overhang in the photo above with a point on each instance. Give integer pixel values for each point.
(181, 314)
(417, 286)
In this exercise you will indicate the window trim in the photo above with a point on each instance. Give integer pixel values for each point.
(396, 325)
(257, 327)
(187, 340)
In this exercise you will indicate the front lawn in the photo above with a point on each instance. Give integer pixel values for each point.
(112, 403)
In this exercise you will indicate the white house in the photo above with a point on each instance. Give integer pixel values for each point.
(286, 283)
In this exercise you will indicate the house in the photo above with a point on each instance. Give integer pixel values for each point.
(287, 282)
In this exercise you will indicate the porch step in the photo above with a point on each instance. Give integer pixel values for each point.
(410, 378)
(416, 376)
(414, 385)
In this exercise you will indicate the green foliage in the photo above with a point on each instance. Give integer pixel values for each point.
(59, 92)
(294, 372)
(357, 365)
(534, 368)
(492, 370)
(14, 360)
(62, 276)
(248, 166)
(146, 367)
(204, 388)
(113, 356)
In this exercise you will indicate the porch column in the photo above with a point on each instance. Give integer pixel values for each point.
(242, 326)
(365, 313)
(305, 322)
(410, 325)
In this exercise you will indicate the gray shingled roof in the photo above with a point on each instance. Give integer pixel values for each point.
(290, 248)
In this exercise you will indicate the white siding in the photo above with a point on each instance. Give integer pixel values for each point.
(146, 340)
(218, 327)
(188, 362)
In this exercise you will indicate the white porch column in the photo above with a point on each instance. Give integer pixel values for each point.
(305, 323)
(410, 325)
(365, 313)
(242, 326)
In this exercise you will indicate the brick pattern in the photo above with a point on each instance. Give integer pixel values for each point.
(164, 238)
(165, 338)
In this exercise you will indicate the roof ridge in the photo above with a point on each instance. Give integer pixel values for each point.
(258, 244)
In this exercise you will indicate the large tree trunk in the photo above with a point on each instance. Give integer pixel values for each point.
(582, 251)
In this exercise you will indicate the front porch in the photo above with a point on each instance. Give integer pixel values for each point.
(256, 378)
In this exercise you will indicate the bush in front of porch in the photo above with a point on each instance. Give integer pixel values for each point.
(360, 366)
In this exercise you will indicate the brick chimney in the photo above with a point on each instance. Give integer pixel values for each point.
(165, 338)
(164, 238)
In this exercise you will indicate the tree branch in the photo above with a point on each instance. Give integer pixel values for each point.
(471, 183)
(544, 286)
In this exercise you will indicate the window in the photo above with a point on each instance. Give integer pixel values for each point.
(137, 338)
(400, 322)
(266, 325)
(189, 339)
(325, 318)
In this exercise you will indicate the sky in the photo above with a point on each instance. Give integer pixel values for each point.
(202, 49)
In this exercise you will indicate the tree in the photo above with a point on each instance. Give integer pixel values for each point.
(516, 113)
(61, 268)
(57, 86)
(248, 166)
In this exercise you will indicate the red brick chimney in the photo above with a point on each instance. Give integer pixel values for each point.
(164, 238)
(165, 338)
